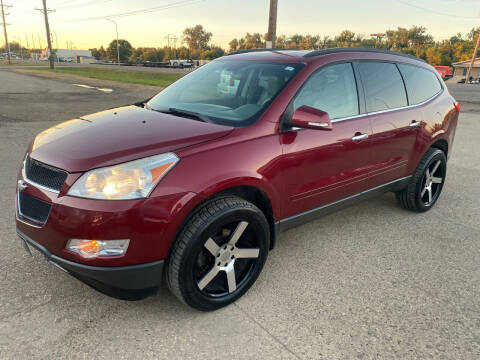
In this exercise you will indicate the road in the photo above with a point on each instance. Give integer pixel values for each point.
(371, 281)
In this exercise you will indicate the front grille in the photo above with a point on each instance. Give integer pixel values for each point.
(44, 175)
(33, 209)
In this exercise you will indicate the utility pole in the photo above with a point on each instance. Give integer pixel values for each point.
(118, 48)
(473, 59)
(272, 25)
(34, 48)
(45, 12)
(378, 38)
(174, 40)
(7, 45)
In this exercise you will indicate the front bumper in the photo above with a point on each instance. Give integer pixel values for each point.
(125, 282)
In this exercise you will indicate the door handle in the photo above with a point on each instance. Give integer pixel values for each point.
(415, 123)
(360, 137)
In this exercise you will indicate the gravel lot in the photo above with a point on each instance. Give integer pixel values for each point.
(371, 281)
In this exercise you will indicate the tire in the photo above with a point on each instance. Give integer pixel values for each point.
(424, 189)
(225, 235)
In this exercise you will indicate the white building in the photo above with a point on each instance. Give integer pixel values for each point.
(78, 56)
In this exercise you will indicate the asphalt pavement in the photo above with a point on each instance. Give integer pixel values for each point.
(373, 281)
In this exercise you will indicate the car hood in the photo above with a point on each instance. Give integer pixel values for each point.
(114, 136)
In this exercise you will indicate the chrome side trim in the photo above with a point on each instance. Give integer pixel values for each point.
(387, 110)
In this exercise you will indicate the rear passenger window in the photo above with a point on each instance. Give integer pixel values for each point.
(421, 84)
(332, 89)
(383, 86)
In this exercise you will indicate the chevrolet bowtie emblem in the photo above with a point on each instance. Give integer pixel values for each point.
(21, 185)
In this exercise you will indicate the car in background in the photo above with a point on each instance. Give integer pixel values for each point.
(445, 72)
(195, 184)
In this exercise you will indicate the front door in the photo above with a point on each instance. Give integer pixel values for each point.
(322, 166)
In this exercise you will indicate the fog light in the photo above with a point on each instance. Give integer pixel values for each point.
(98, 248)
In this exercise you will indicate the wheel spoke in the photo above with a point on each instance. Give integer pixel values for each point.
(232, 283)
(208, 277)
(427, 173)
(246, 253)
(429, 194)
(437, 180)
(238, 232)
(212, 246)
(423, 191)
(437, 164)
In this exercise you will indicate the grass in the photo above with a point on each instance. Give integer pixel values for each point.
(126, 76)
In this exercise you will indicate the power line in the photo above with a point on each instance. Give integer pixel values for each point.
(435, 11)
(80, 5)
(136, 12)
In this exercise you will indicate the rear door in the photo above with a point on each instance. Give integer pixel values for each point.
(395, 125)
(320, 167)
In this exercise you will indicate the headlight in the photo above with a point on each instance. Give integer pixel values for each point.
(131, 180)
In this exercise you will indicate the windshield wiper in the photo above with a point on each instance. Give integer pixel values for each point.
(186, 113)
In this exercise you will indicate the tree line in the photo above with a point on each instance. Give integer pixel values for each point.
(197, 45)
(414, 41)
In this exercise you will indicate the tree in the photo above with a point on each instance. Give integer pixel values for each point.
(472, 35)
(125, 50)
(197, 38)
(456, 38)
(234, 45)
(212, 53)
(100, 54)
(253, 41)
(345, 39)
(17, 48)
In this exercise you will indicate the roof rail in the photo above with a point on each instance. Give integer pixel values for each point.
(244, 51)
(358, 49)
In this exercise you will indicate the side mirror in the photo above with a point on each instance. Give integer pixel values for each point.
(307, 117)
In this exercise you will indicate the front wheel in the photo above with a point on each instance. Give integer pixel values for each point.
(427, 182)
(219, 253)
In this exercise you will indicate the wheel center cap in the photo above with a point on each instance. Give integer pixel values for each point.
(225, 256)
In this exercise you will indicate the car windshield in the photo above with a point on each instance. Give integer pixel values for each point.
(227, 92)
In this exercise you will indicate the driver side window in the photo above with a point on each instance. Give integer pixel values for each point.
(332, 89)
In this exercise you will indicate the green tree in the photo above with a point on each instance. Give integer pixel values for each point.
(234, 44)
(197, 38)
(17, 48)
(253, 41)
(99, 54)
(345, 39)
(212, 53)
(125, 50)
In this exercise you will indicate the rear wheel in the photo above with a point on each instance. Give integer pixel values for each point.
(219, 254)
(427, 182)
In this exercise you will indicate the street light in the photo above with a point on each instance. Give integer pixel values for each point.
(118, 49)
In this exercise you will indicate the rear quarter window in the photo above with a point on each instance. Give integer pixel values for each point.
(383, 86)
(421, 84)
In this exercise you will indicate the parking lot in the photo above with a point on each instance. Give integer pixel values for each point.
(371, 281)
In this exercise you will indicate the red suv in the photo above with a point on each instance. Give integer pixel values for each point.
(196, 183)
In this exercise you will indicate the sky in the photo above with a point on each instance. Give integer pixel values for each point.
(83, 23)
